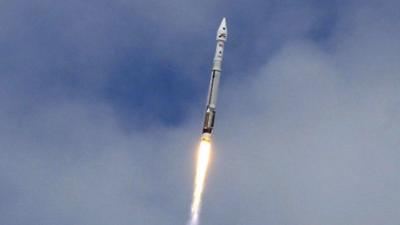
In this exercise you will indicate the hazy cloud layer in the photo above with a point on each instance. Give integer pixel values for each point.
(307, 126)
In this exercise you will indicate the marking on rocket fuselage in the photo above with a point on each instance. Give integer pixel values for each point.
(211, 88)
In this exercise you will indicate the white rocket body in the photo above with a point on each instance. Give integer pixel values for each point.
(222, 35)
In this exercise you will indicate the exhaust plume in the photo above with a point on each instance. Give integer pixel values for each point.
(203, 158)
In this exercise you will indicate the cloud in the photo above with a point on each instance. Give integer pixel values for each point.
(315, 140)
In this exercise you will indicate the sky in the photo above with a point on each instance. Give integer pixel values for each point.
(102, 102)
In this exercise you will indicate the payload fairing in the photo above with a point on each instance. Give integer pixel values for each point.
(222, 36)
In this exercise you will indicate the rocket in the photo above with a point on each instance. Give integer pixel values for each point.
(208, 126)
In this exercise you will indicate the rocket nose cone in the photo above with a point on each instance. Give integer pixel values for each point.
(222, 33)
(223, 23)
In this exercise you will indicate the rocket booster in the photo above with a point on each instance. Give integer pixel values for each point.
(222, 35)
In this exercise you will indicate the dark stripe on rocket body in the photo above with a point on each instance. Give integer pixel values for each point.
(211, 87)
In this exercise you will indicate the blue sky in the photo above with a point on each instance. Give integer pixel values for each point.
(102, 105)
